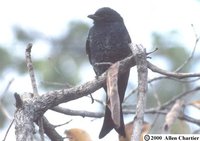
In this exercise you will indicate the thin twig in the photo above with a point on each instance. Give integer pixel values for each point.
(178, 97)
(76, 113)
(2, 107)
(8, 130)
(97, 100)
(181, 117)
(155, 110)
(65, 85)
(30, 68)
(62, 124)
(172, 78)
(152, 51)
(155, 94)
(130, 94)
(158, 103)
(171, 74)
(192, 53)
(8, 86)
(34, 84)
(50, 131)
(159, 78)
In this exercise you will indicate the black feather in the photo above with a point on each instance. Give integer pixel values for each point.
(108, 41)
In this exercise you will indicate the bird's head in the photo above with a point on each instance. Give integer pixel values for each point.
(106, 15)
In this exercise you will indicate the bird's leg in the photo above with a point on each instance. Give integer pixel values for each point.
(92, 99)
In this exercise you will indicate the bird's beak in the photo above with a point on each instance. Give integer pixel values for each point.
(94, 17)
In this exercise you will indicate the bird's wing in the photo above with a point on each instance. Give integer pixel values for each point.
(88, 51)
(88, 48)
(127, 36)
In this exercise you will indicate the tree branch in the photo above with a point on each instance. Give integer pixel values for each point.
(30, 68)
(77, 113)
(140, 53)
(42, 122)
(50, 131)
(32, 109)
(171, 74)
(34, 84)
(192, 53)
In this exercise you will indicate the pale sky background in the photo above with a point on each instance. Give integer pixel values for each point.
(142, 17)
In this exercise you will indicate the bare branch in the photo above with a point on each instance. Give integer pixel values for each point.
(77, 113)
(24, 123)
(181, 117)
(62, 124)
(8, 86)
(155, 94)
(50, 131)
(8, 130)
(141, 63)
(156, 111)
(66, 85)
(2, 107)
(30, 68)
(175, 79)
(34, 108)
(192, 53)
(130, 93)
(171, 74)
(34, 84)
(178, 97)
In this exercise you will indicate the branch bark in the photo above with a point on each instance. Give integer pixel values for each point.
(34, 84)
(140, 53)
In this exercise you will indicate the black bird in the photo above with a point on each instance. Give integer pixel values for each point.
(108, 42)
